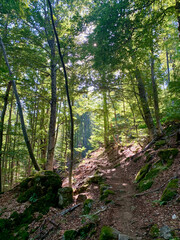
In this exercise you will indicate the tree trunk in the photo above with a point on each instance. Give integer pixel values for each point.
(52, 124)
(177, 6)
(68, 97)
(145, 105)
(2, 127)
(105, 110)
(155, 95)
(167, 61)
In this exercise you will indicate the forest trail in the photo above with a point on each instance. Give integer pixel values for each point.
(130, 215)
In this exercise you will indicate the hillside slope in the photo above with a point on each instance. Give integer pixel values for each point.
(126, 193)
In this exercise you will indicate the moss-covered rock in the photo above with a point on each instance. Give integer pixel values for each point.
(167, 155)
(154, 231)
(107, 233)
(159, 144)
(142, 172)
(87, 206)
(65, 197)
(149, 157)
(170, 191)
(144, 185)
(70, 235)
(39, 185)
(86, 230)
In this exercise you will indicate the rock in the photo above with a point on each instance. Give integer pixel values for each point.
(142, 172)
(165, 232)
(170, 191)
(97, 179)
(81, 198)
(174, 216)
(109, 233)
(65, 196)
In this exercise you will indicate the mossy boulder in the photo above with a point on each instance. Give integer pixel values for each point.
(87, 206)
(170, 191)
(142, 172)
(65, 196)
(39, 185)
(154, 231)
(83, 188)
(159, 144)
(70, 235)
(167, 155)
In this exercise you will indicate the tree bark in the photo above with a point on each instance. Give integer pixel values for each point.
(52, 123)
(68, 97)
(145, 105)
(155, 95)
(105, 110)
(167, 61)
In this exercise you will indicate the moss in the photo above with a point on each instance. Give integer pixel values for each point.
(106, 193)
(159, 143)
(167, 155)
(142, 172)
(107, 233)
(170, 191)
(87, 206)
(144, 185)
(97, 179)
(152, 173)
(154, 231)
(86, 230)
(103, 187)
(70, 235)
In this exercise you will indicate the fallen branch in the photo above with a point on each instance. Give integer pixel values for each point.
(157, 189)
(69, 209)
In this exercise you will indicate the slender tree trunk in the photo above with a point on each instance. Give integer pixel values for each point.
(20, 111)
(178, 14)
(145, 105)
(105, 110)
(155, 95)
(167, 61)
(68, 97)
(2, 127)
(52, 124)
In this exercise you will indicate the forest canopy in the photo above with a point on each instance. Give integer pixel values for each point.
(77, 75)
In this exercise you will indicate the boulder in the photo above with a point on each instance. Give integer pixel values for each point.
(165, 232)
(65, 197)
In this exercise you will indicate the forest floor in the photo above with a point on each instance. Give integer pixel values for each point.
(129, 214)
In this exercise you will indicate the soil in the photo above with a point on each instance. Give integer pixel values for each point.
(130, 214)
